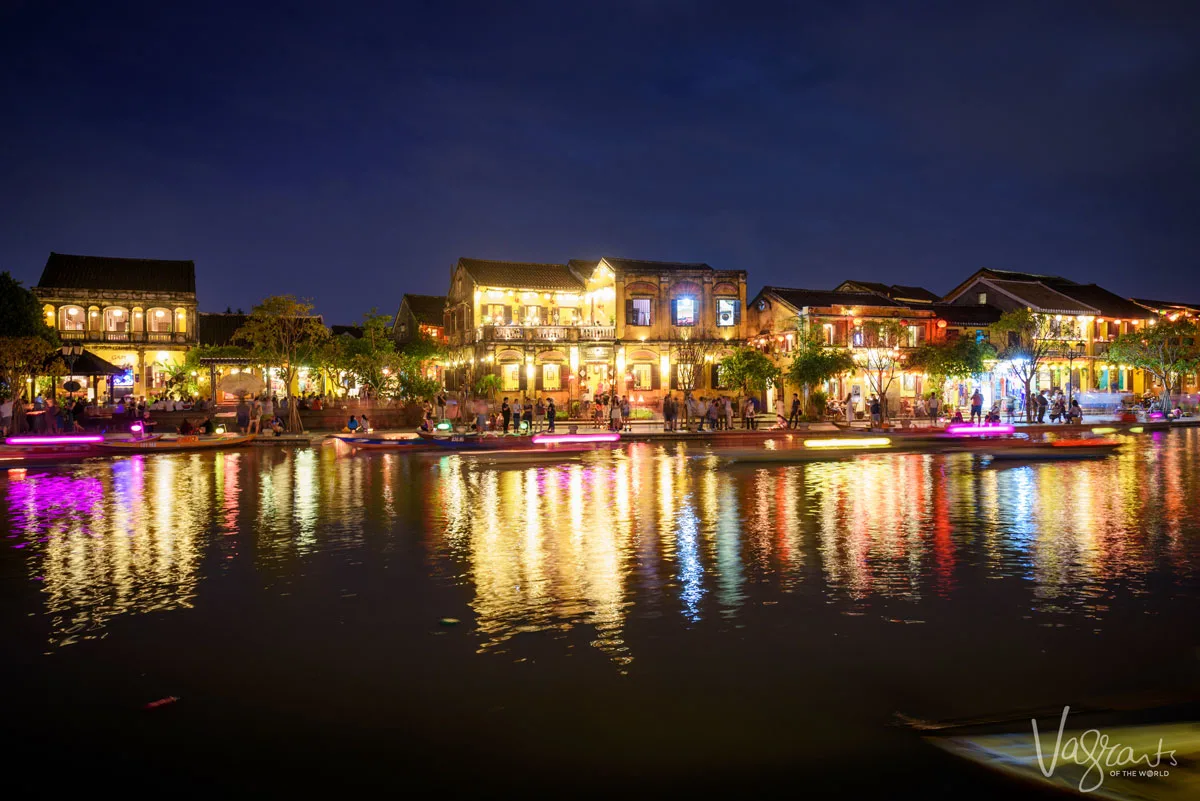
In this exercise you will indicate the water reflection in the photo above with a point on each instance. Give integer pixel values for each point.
(587, 546)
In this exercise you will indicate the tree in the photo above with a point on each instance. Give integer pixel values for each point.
(814, 362)
(284, 331)
(487, 385)
(1167, 350)
(690, 351)
(20, 312)
(1028, 345)
(882, 358)
(956, 358)
(747, 369)
(23, 357)
(371, 357)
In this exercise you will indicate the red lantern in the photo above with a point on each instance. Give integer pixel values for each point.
(904, 322)
(941, 323)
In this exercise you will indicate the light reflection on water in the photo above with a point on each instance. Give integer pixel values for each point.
(648, 532)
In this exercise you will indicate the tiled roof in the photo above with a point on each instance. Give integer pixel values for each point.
(63, 271)
(522, 275)
(799, 298)
(646, 266)
(918, 293)
(218, 329)
(862, 286)
(1013, 275)
(966, 314)
(427, 309)
(1106, 303)
(355, 331)
(1041, 297)
(1156, 305)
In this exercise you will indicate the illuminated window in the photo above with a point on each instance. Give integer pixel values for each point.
(641, 376)
(551, 376)
(729, 312)
(638, 312)
(532, 315)
(160, 321)
(567, 315)
(497, 314)
(510, 377)
(684, 312)
(70, 318)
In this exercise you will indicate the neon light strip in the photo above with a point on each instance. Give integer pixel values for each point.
(865, 442)
(550, 439)
(970, 429)
(69, 439)
(1104, 430)
(1136, 430)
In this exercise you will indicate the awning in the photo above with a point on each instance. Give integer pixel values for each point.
(88, 363)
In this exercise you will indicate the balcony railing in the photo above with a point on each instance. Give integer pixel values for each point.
(160, 337)
(543, 333)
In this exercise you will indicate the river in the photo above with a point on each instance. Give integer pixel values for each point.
(644, 621)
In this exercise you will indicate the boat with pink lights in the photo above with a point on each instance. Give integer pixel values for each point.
(1090, 448)
(31, 449)
(523, 442)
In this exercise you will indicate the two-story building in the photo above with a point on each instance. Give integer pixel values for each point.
(420, 315)
(589, 327)
(1085, 318)
(845, 319)
(138, 314)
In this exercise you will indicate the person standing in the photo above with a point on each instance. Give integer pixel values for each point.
(441, 405)
(977, 407)
(728, 413)
(256, 412)
(614, 413)
(668, 411)
(747, 413)
(1042, 405)
(849, 408)
(713, 413)
(626, 413)
(505, 413)
(242, 415)
(876, 412)
(1010, 407)
(518, 409)
(539, 415)
(6, 409)
(794, 417)
(551, 413)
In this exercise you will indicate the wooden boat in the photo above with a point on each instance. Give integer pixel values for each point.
(1139, 741)
(162, 444)
(814, 450)
(1057, 449)
(35, 449)
(369, 443)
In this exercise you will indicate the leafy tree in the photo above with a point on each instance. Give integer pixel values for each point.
(1027, 345)
(22, 357)
(181, 375)
(813, 362)
(1168, 350)
(748, 369)
(371, 358)
(487, 385)
(956, 358)
(284, 331)
(21, 313)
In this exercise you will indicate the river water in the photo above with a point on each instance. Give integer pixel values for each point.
(645, 621)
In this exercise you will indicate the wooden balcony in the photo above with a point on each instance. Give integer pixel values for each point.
(155, 337)
(543, 333)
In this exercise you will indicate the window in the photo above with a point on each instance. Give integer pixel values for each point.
(982, 298)
(642, 376)
(532, 315)
(552, 377)
(497, 314)
(729, 312)
(637, 311)
(567, 315)
(70, 318)
(116, 319)
(684, 312)
(160, 321)
(510, 377)
(914, 336)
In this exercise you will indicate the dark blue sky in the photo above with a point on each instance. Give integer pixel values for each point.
(351, 153)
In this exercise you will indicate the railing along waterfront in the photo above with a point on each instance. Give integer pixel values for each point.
(544, 333)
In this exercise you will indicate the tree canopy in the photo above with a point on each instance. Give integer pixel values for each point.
(1028, 343)
(956, 358)
(813, 362)
(283, 331)
(748, 369)
(1167, 350)
(20, 312)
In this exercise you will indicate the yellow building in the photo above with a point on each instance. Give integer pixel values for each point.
(578, 330)
(139, 314)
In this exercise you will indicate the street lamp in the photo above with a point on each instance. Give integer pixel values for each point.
(1073, 352)
(70, 353)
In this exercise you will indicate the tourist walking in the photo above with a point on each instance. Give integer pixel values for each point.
(551, 413)
(794, 417)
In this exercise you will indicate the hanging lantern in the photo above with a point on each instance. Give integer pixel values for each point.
(941, 323)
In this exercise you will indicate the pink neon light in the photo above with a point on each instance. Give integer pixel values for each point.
(65, 440)
(969, 429)
(549, 439)
(136, 427)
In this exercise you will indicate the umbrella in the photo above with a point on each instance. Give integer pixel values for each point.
(241, 384)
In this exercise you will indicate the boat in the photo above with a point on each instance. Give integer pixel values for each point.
(1057, 449)
(519, 442)
(1150, 750)
(189, 442)
(369, 443)
(33, 449)
(814, 450)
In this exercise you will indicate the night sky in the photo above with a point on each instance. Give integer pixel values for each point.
(353, 155)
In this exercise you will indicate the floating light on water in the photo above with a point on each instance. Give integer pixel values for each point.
(1136, 430)
(69, 439)
(859, 442)
(967, 429)
(443, 426)
(550, 439)
(1105, 430)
